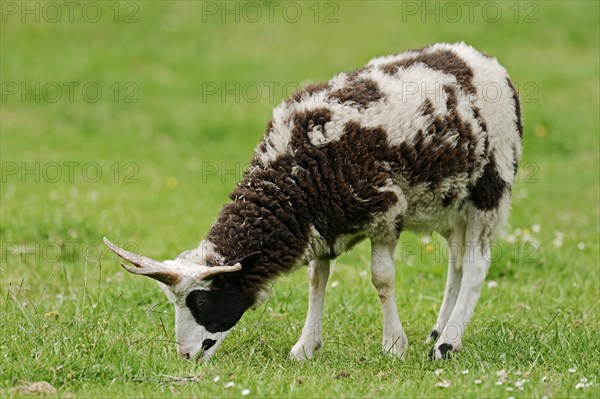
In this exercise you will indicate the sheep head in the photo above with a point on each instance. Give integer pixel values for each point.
(205, 309)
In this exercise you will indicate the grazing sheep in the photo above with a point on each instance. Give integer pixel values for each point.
(410, 141)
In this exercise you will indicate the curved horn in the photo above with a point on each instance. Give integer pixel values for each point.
(214, 270)
(167, 277)
(138, 260)
(145, 266)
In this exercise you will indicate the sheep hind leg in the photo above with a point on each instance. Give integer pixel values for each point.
(455, 240)
(476, 262)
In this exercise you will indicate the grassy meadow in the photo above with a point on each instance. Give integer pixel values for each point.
(134, 120)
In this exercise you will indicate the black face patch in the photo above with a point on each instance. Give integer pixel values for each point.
(217, 310)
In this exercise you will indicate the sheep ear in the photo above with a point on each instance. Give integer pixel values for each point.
(249, 260)
(209, 271)
(233, 266)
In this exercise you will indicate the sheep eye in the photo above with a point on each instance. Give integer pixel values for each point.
(197, 299)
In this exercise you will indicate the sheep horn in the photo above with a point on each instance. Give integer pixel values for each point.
(145, 266)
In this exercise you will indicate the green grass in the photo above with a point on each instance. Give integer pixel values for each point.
(69, 314)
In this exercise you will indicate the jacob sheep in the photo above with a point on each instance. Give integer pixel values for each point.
(409, 141)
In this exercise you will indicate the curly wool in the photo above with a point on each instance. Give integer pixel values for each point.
(341, 158)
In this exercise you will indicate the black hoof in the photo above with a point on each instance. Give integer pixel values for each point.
(434, 335)
(444, 349)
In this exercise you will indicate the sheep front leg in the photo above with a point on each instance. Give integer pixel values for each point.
(311, 338)
(382, 276)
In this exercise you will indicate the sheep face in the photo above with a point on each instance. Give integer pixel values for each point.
(199, 324)
(207, 305)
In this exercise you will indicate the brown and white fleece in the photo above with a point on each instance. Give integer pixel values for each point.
(425, 140)
(408, 141)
